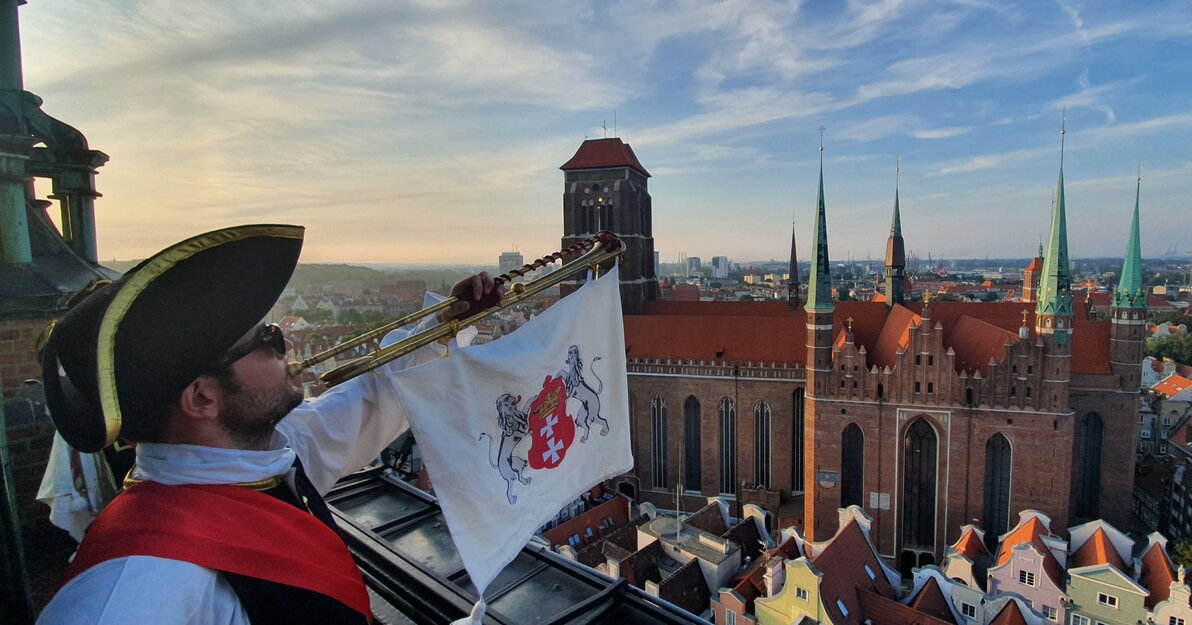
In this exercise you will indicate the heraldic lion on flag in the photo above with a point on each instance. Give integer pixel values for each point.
(550, 426)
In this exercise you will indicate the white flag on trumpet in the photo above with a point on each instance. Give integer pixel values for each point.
(512, 431)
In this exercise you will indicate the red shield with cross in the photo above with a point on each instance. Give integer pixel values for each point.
(551, 429)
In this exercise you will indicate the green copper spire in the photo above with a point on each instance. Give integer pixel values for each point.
(1130, 292)
(819, 282)
(1055, 285)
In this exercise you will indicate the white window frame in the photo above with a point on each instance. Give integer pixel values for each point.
(1051, 613)
(968, 610)
(1026, 578)
(801, 593)
(1080, 620)
(1175, 620)
(1107, 600)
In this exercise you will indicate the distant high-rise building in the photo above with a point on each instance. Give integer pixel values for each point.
(720, 266)
(509, 261)
(694, 265)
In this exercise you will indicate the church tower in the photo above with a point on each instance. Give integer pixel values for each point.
(1053, 312)
(1128, 310)
(1030, 278)
(605, 187)
(820, 515)
(895, 256)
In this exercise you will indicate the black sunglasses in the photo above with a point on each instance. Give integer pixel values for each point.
(268, 334)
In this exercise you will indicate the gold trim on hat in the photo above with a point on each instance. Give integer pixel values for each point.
(122, 301)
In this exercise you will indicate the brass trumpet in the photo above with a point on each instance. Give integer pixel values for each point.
(593, 252)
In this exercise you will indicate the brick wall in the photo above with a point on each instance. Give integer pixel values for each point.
(29, 429)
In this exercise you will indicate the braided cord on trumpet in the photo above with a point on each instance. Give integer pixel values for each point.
(575, 248)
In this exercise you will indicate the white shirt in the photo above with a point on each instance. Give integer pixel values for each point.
(334, 435)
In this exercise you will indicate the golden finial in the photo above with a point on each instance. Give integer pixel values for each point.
(821, 130)
(850, 324)
(1025, 313)
(926, 297)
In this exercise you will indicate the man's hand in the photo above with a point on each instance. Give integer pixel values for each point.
(476, 293)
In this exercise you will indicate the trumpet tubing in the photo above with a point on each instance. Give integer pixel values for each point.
(594, 252)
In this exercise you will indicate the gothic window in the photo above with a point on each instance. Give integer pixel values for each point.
(1088, 482)
(852, 466)
(728, 446)
(880, 390)
(761, 444)
(996, 518)
(919, 477)
(968, 396)
(658, 441)
(691, 444)
(797, 441)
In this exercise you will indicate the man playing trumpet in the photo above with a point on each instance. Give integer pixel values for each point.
(222, 519)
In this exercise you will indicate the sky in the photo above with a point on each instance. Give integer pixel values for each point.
(432, 131)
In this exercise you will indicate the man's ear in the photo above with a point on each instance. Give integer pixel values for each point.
(201, 400)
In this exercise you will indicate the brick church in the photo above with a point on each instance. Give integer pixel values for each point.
(928, 415)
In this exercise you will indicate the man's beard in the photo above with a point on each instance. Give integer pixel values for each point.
(248, 417)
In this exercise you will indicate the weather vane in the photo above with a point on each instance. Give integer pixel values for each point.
(1025, 313)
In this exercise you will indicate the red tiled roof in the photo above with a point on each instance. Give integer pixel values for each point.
(969, 545)
(931, 601)
(894, 335)
(881, 610)
(1090, 347)
(1172, 385)
(715, 337)
(1010, 615)
(752, 583)
(1157, 574)
(976, 342)
(843, 563)
(1032, 531)
(1036, 265)
(770, 332)
(602, 154)
(1098, 549)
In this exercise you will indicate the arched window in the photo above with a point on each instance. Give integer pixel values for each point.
(728, 446)
(761, 444)
(1090, 439)
(852, 466)
(658, 441)
(918, 487)
(881, 390)
(797, 441)
(691, 444)
(996, 518)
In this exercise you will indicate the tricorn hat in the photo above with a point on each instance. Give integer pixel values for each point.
(128, 349)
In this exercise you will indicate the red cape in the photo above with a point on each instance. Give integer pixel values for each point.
(226, 528)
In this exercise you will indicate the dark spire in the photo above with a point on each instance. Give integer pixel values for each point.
(792, 286)
(895, 253)
(819, 282)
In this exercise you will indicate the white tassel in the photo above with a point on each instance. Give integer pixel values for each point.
(475, 616)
